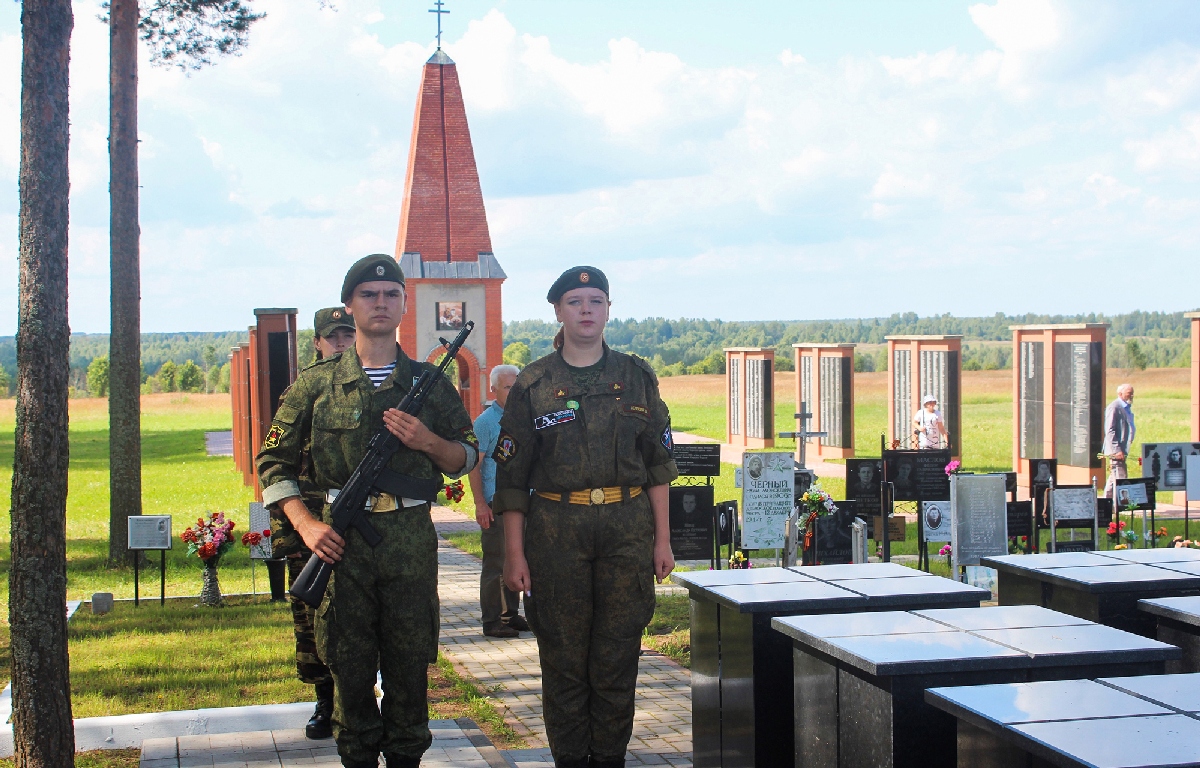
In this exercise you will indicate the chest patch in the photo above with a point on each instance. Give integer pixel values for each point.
(560, 392)
(640, 410)
(553, 419)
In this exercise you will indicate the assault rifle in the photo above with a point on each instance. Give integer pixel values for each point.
(349, 509)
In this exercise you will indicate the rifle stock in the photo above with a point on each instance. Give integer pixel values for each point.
(349, 508)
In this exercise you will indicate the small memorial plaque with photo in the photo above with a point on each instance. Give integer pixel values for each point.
(698, 459)
(1043, 472)
(862, 483)
(691, 513)
(1020, 518)
(935, 520)
(1166, 463)
(833, 540)
(918, 475)
(1136, 492)
(148, 532)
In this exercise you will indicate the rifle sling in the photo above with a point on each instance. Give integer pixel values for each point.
(402, 486)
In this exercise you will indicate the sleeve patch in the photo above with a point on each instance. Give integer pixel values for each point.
(667, 439)
(273, 437)
(554, 419)
(468, 436)
(506, 448)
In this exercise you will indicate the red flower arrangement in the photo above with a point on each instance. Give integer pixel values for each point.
(209, 538)
(254, 539)
(454, 491)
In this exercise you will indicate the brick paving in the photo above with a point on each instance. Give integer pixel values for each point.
(508, 669)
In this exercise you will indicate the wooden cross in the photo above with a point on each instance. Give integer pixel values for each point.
(439, 13)
(803, 436)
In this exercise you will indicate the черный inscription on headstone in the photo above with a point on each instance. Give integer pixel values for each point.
(979, 518)
(767, 500)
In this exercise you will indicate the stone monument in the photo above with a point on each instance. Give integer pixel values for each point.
(260, 371)
(1059, 396)
(920, 366)
(1195, 318)
(825, 381)
(443, 245)
(750, 397)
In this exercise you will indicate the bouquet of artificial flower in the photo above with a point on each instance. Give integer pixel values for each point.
(209, 538)
(813, 504)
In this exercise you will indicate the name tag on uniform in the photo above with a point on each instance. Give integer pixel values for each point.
(554, 419)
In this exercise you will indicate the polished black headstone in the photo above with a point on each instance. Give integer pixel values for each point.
(1001, 617)
(1168, 740)
(1185, 610)
(1179, 691)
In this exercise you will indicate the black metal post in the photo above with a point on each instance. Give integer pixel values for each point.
(276, 574)
(162, 577)
(136, 602)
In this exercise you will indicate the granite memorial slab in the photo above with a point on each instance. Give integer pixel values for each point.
(859, 686)
(1181, 692)
(742, 677)
(1098, 586)
(1107, 722)
(1178, 624)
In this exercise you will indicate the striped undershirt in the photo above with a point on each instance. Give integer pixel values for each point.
(377, 375)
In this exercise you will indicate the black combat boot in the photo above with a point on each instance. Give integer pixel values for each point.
(320, 725)
(402, 761)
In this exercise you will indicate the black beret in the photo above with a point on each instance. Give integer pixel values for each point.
(328, 319)
(577, 277)
(377, 266)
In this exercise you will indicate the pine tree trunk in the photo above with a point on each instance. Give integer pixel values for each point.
(43, 735)
(125, 354)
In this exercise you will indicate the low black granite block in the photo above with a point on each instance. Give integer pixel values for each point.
(1178, 624)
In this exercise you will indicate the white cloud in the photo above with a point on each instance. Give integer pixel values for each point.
(1175, 149)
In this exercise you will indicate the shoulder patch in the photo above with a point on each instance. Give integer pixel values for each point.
(275, 434)
(668, 440)
(645, 366)
(506, 448)
(468, 436)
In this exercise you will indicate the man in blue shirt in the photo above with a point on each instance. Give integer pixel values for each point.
(498, 603)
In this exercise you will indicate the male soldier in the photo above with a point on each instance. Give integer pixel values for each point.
(380, 611)
(497, 603)
(333, 332)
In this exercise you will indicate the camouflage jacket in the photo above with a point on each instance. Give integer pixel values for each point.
(556, 439)
(333, 408)
(285, 540)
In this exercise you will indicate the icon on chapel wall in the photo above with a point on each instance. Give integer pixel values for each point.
(451, 315)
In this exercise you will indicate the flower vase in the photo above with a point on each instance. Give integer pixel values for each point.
(210, 593)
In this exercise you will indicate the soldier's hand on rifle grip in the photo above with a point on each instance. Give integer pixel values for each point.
(318, 537)
(410, 430)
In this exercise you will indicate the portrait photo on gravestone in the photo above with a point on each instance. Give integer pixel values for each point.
(691, 517)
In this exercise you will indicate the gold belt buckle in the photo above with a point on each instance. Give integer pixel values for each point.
(384, 502)
(597, 495)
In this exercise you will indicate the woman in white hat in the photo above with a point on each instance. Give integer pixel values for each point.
(929, 425)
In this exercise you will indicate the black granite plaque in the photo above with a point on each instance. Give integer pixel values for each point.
(735, 397)
(726, 521)
(1043, 472)
(1031, 390)
(1020, 518)
(862, 483)
(1078, 403)
(835, 392)
(833, 541)
(698, 459)
(918, 475)
(978, 518)
(760, 401)
(691, 514)
(902, 395)
(1166, 463)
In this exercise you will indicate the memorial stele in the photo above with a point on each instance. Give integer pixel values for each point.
(1059, 395)
(920, 366)
(825, 384)
(444, 246)
(1194, 317)
(750, 397)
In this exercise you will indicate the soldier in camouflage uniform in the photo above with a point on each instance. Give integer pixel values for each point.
(333, 332)
(586, 431)
(380, 610)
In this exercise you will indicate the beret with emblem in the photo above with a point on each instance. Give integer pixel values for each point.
(327, 320)
(377, 266)
(577, 277)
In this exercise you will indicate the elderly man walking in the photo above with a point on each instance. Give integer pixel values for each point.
(1119, 431)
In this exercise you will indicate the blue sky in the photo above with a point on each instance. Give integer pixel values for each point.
(767, 160)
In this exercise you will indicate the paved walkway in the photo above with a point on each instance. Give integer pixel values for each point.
(509, 670)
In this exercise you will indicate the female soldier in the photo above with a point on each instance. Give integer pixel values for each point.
(583, 464)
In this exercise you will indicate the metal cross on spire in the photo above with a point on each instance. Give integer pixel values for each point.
(439, 11)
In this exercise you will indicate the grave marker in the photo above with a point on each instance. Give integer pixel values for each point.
(148, 533)
(1167, 463)
(918, 475)
(862, 483)
(690, 510)
(767, 498)
(1059, 399)
(935, 521)
(698, 459)
(978, 518)
(1073, 507)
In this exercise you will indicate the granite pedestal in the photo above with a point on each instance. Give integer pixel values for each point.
(1098, 586)
(742, 669)
(1179, 625)
(1116, 722)
(860, 679)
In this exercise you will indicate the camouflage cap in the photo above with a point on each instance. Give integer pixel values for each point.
(377, 266)
(331, 318)
(577, 277)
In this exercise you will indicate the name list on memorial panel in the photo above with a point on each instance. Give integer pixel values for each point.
(1080, 407)
(1032, 400)
(767, 483)
(979, 518)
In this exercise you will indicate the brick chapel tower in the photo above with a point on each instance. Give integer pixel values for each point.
(443, 246)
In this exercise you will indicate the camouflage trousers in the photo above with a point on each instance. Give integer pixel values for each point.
(591, 571)
(496, 601)
(309, 666)
(380, 612)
